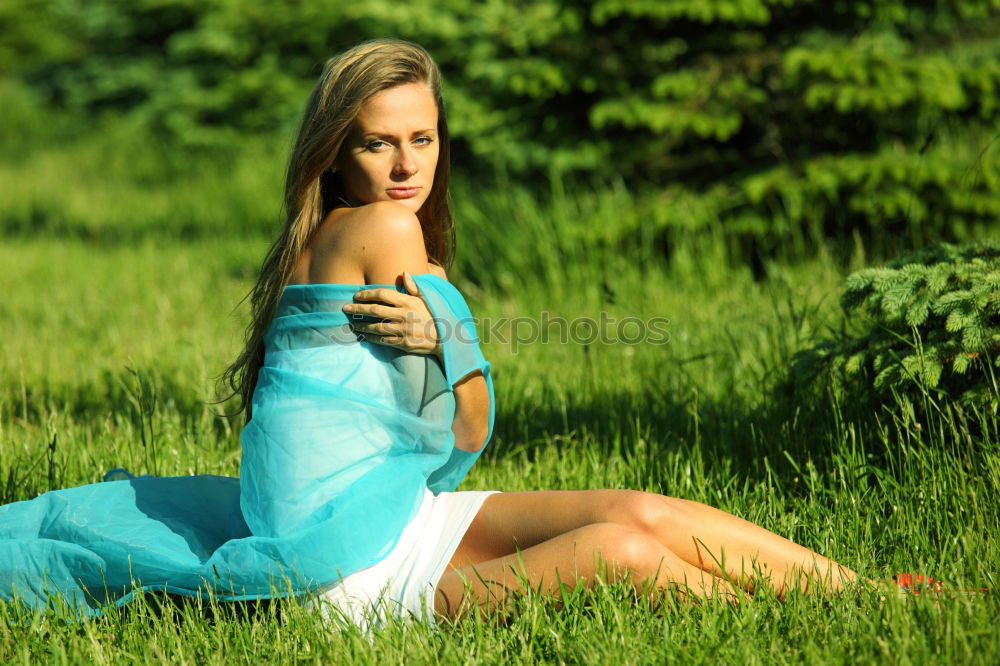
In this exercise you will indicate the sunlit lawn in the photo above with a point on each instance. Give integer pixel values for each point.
(691, 417)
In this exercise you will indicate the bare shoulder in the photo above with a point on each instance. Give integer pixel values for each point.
(381, 239)
(380, 220)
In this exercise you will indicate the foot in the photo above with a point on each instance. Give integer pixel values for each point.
(919, 584)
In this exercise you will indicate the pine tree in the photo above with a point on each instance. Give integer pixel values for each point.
(927, 323)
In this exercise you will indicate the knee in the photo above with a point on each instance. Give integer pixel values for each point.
(622, 549)
(648, 513)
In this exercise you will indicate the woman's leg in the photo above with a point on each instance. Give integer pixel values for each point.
(698, 535)
(606, 551)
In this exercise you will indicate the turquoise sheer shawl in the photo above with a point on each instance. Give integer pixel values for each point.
(345, 437)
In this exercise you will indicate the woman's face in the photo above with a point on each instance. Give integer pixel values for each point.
(391, 151)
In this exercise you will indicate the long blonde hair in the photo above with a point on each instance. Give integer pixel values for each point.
(347, 82)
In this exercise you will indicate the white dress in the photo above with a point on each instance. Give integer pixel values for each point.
(402, 584)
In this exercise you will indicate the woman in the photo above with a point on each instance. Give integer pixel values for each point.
(367, 201)
(357, 437)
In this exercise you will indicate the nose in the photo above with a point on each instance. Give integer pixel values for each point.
(405, 165)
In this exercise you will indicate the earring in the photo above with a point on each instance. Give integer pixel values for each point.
(332, 169)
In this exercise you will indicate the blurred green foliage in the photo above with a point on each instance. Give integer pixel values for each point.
(776, 119)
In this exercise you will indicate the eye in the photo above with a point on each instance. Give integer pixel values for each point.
(375, 144)
(424, 140)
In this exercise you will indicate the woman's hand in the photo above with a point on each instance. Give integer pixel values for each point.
(406, 324)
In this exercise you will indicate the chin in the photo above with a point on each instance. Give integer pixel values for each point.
(412, 204)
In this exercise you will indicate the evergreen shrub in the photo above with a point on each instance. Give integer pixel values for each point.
(925, 326)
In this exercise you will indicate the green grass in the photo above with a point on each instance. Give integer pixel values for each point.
(691, 418)
(123, 267)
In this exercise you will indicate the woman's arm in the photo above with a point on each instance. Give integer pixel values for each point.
(472, 412)
(472, 401)
(386, 239)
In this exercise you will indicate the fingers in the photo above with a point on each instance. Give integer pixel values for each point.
(378, 328)
(393, 340)
(401, 316)
(397, 335)
(390, 296)
(388, 313)
(410, 284)
(392, 304)
(386, 340)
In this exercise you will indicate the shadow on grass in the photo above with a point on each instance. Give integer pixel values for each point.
(128, 393)
(778, 435)
(653, 424)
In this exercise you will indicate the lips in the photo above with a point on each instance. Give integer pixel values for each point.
(402, 192)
